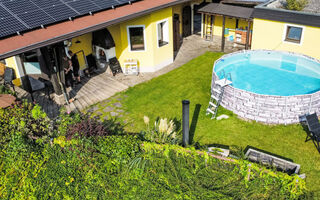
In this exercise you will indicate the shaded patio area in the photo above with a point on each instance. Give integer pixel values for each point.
(90, 91)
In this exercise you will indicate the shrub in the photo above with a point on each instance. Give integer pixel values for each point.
(5, 90)
(27, 119)
(296, 4)
(92, 127)
(162, 132)
(87, 127)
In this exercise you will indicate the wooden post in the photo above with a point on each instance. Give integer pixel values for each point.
(248, 35)
(202, 25)
(223, 39)
(211, 28)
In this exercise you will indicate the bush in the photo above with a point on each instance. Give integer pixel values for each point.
(163, 132)
(87, 164)
(296, 4)
(87, 127)
(5, 90)
(27, 119)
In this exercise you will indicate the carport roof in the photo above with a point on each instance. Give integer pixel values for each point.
(227, 10)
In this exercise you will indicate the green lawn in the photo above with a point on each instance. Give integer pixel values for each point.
(162, 96)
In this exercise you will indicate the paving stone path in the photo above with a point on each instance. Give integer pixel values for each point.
(109, 109)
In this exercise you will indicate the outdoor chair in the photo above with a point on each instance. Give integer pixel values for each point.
(314, 129)
(8, 77)
(115, 66)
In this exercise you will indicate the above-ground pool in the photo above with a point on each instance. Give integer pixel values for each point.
(269, 86)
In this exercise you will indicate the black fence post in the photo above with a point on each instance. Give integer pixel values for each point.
(185, 122)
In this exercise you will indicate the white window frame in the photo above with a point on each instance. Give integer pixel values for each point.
(159, 22)
(285, 34)
(144, 37)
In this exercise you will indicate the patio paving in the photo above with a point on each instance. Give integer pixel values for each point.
(192, 47)
(91, 91)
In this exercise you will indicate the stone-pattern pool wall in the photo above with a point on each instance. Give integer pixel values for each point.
(268, 108)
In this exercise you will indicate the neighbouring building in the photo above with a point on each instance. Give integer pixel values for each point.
(276, 28)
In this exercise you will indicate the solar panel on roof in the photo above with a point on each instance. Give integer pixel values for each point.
(19, 7)
(9, 24)
(83, 6)
(60, 12)
(106, 3)
(21, 15)
(46, 3)
(36, 18)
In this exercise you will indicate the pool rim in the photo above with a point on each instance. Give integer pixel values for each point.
(260, 50)
(263, 108)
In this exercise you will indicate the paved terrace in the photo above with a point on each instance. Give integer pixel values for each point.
(102, 85)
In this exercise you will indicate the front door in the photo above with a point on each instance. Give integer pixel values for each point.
(176, 32)
(186, 21)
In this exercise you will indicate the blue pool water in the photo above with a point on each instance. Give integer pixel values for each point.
(271, 72)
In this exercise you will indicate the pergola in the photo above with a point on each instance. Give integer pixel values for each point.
(225, 10)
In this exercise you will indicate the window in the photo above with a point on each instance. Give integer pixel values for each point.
(163, 33)
(136, 38)
(293, 34)
(237, 23)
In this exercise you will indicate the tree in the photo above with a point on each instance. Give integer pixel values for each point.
(296, 4)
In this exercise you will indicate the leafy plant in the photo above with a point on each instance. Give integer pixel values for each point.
(27, 119)
(296, 4)
(162, 132)
(5, 90)
(87, 127)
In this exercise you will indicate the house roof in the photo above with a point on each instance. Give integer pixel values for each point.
(244, 2)
(65, 30)
(227, 10)
(20, 16)
(274, 10)
(313, 6)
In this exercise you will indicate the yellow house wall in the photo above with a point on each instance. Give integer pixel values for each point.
(115, 31)
(10, 62)
(269, 35)
(85, 45)
(153, 56)
(163, 54)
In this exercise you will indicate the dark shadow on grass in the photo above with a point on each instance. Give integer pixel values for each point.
(222, 146)
(194, 122)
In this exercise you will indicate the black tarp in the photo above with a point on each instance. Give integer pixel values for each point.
(103, 38)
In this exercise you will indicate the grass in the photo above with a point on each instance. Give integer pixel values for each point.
(162, 96)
